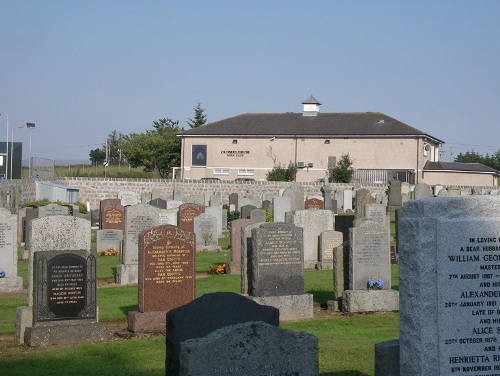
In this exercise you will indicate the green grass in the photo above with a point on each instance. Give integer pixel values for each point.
(346, 342)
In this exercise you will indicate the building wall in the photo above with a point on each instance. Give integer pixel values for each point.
(459, 179)
(261, 154)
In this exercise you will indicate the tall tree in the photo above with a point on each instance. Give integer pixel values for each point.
(200, 118)
(97, 156)
(155, 150)
(112, 141)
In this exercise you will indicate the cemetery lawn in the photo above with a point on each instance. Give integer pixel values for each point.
(346, 342)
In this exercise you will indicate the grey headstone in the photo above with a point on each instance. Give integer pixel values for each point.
(145, 197)
(52, 209)
(369, 255)
(172, 204)
(107, 240)
(250, 348)
(128, 198)
(258, 215)
(183, 323)
(8, 253)
(363, 198)
(246, 250)
(313, 223)
(422, 190)
(328, 241)
(216, 212)
(168, 217)
(244, 201)
(281, 205)
(449, 262)
(347, 200)
(137, 219)
(377, 213)
(296, 194)
(205, 228)
(277, 260)
(246, 210)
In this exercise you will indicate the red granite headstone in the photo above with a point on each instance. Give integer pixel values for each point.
(112, 214)
(313, 203)
(236, 226)
(166, 268)
(187, 212)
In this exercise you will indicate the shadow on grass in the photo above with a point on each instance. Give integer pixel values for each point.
(113, 270)
(129, 308)
(107, 359)
(321, 296)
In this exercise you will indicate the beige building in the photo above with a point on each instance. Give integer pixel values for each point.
(250, 145)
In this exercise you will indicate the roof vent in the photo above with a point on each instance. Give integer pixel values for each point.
(381, 121)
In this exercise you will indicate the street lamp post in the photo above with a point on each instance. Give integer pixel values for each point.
(30, 126)
(6, 148)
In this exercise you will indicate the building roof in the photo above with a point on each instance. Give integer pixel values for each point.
(311, 100)
(350, 124)
(459, 166)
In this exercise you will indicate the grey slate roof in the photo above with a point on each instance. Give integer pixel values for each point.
(311, 100)
(458, 166)
(349, 124)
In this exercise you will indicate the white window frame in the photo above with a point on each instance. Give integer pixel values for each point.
(246, 172)
(221, 171)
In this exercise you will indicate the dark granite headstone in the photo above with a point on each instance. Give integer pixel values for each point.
(187, 212)
(277, 260)
(246, 211)
(249, 349)
(159, 203)
(218, 310)
(233, 201)
(94, 218)
(64, 286)
(343, 223)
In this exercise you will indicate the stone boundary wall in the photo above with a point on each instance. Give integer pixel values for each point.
(92, 190)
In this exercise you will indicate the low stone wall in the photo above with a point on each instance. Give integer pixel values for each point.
(93, 190)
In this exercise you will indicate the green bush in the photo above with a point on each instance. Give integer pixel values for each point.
(281, 173)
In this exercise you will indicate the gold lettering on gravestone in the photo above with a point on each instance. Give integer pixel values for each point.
(113, 216)
(67, 283)
(188, 214)
(167, 263)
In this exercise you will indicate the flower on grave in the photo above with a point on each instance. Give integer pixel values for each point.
(111, 251)
(218, 269)
(207, 237)
(2, 273)
(375, 283)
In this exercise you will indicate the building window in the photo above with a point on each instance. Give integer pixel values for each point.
(199, 155)
(221, 171)
(246, 172)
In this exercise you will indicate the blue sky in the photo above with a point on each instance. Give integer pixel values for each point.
(81, 69)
